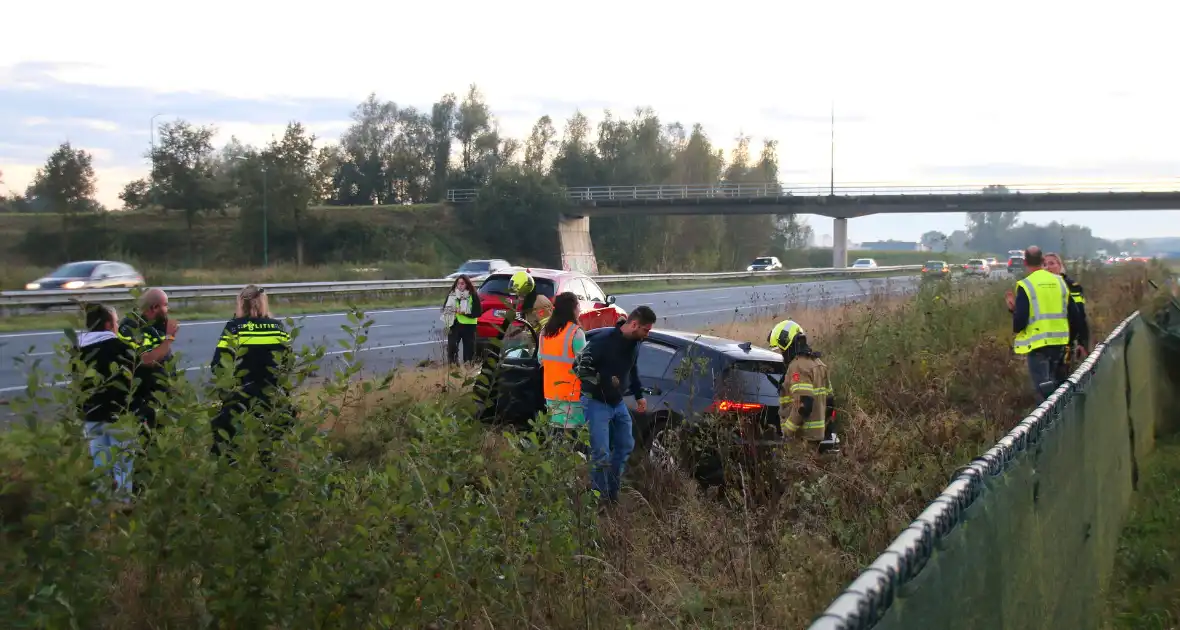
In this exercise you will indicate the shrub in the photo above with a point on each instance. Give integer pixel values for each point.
(410, 515)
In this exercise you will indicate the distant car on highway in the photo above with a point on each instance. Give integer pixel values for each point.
(935, 269)
(977, 267)
(765, 263)
(991, 262)
(864, 263)
(597, 308)
(1015, 265)
(479, 269)
(88, 274)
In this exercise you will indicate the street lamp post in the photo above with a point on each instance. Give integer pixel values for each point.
(265, 222)
(152, 140)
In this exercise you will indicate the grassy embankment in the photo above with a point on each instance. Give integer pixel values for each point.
(1145, 590)
(405, 515)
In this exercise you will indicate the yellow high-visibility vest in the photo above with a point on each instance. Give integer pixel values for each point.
(1048, 319)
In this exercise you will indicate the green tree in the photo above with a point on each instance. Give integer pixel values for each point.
(136, 195)
(934, 240)
(442, 127)
(295, 178)
(65, 185)
(541, 142)
(182, 177)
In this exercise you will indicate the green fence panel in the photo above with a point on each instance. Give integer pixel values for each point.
(1025, 536)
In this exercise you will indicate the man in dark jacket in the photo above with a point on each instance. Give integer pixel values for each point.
(108, 362)
(606, 367)
(150, 333)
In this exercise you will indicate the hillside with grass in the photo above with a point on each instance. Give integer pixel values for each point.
(391, 508)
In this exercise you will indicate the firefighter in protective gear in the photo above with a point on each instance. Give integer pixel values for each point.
(806, 401)
(530, 306)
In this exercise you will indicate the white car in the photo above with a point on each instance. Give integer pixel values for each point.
(864, 263)
(765, 263)
(477, 270)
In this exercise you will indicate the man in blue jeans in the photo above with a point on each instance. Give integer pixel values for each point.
(604, 365)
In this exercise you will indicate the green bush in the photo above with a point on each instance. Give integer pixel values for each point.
(432, 527)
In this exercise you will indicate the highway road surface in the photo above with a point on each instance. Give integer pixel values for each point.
(413, 335)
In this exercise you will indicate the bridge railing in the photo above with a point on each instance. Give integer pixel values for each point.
(1025, 535)
(771, 190)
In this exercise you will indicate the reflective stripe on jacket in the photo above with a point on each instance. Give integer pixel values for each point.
(806, 376)
(557, 361)
(1048, 319)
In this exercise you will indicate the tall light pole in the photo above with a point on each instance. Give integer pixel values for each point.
(152, 140)
(265, 219)
(832, 154)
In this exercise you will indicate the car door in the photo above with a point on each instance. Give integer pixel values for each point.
(594, 293)
(103, 276)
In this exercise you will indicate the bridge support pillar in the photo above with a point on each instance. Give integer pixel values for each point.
(840, 244)
(577, 251)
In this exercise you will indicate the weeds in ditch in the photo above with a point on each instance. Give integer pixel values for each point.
(398, 513)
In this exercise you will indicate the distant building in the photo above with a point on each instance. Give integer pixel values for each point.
(826, 240)
(892, 246)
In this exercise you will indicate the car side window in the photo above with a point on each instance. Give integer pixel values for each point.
(654, 359)
(103, 271)
(572, 286)
(593, 291)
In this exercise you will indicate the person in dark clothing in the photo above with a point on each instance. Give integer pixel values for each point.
(604, 366)
(460, 315)
(150, 334)
(107, 362)
(257, 347)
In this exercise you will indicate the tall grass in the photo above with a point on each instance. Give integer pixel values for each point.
(390, 510)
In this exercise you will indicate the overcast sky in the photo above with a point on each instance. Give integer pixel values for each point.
(925, 92)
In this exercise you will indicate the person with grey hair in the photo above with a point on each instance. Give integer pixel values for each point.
(150, 333)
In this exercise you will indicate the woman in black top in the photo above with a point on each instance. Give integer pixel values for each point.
(107, 362)
(257, 348)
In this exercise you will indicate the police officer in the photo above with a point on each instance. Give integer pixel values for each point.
(1045, 320)
(257, 349)
(805, 401)
(1080, 345)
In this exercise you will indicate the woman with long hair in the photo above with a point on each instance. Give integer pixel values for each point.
(257, 348)
(460, 315)
(561, 340)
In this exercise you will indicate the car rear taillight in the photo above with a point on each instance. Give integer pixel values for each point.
(730, 406)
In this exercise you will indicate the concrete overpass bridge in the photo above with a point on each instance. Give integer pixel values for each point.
(841, 203)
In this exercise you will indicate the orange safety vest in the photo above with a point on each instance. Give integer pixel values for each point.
(557, 361)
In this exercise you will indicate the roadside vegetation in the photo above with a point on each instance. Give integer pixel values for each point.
(390, 509)
(1144, 592)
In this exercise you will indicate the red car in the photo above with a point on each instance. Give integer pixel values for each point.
(596, 306)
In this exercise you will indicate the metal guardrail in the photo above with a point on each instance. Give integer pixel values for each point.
(9, 299)
(866, 599)
(774, 190)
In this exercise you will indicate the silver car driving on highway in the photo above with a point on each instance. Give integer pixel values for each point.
(88, 274)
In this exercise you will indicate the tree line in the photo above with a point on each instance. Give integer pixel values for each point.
(393, 154)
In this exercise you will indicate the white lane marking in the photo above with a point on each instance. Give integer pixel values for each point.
(222, 321)
(624, 296)
(21, 388)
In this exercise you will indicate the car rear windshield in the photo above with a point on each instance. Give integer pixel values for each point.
(863, 261)
(73, 270)
(763, 261)
(474, 266)
(499, 285)
(752, 379)
(975, 261)
(935, 263)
